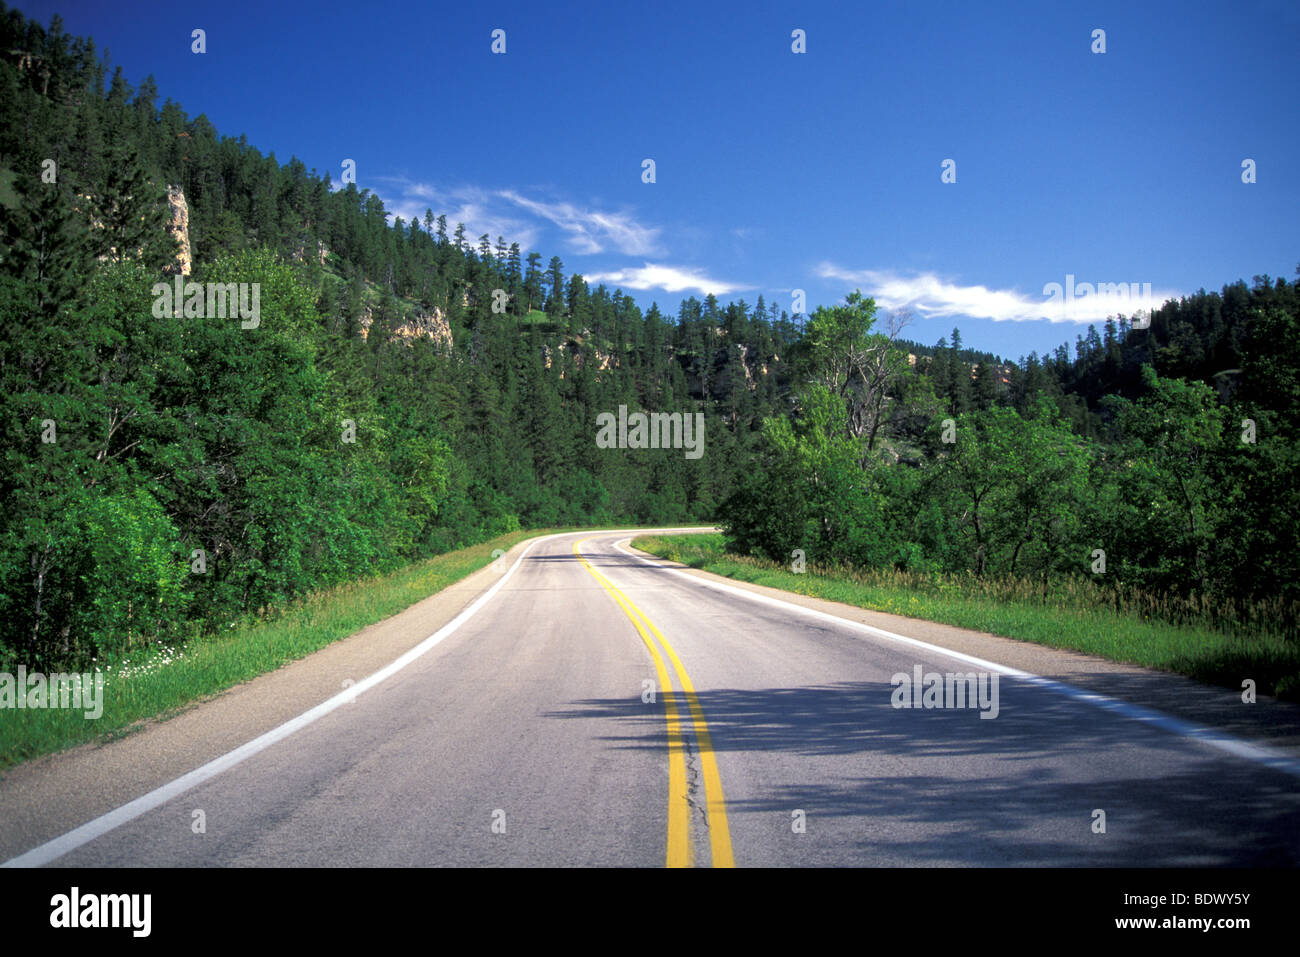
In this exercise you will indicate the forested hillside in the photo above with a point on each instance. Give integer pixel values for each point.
(407, 389)
(380, 410)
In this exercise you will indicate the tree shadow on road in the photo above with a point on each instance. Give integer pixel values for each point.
(943, 786)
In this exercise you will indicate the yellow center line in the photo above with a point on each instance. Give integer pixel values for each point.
(719, 832)
(679, 842)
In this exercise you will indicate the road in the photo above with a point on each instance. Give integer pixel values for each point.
(593, 708)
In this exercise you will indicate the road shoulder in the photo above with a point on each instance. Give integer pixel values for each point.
(50, 795)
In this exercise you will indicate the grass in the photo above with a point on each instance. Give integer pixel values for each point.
(1076, 615)
(155, 684)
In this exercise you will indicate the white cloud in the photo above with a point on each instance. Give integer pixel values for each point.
(519, 218)
(469, 205)
(590, 230)
(931, 296)
(667, 278)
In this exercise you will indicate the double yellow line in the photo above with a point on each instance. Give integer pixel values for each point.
(679, 839)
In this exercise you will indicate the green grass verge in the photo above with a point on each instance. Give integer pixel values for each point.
(156, 685)
(1057, 620)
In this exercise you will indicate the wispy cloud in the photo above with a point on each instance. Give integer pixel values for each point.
(520, 218)
(474, 207)
(667, 278)
(591, 231)
(931, 296)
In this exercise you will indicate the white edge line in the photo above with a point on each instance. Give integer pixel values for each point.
(54, 849)
(1221, 740)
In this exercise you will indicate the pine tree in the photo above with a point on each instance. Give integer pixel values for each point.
(132, 213)
(533, 281)
(987, 387)
(514, 280)
(959, 377)
(555, 305)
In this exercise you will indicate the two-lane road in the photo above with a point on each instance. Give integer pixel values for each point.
(600, 709)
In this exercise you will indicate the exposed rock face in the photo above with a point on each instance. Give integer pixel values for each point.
(745, 363)
(178, 225)
(433, 326)
(322, 253)
(180, 228)
(573, 350)
(717, 372)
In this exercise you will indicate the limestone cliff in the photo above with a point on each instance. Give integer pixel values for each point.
(179, 226)
(433, 326)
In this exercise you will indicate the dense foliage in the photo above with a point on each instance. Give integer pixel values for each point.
(1140, 465)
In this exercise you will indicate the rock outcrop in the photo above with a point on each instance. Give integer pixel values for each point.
(432, 326)
(573, 350)
(179, 226)
(322, 253)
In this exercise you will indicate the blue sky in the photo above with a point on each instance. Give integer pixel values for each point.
(778, 171)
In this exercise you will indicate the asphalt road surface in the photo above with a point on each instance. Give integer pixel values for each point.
(583, 706)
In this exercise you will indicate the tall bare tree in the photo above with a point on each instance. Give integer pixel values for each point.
(859, 365)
